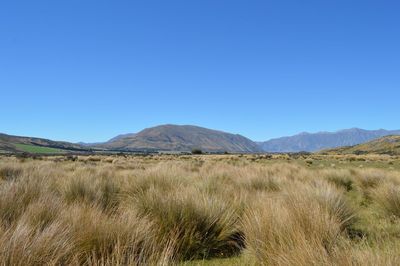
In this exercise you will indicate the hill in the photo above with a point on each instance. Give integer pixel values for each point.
(385, 145)
(182, 138)
(17, 144)
(312, 142)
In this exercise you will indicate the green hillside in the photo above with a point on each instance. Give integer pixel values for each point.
(17, 144)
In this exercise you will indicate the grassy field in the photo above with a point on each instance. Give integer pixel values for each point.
(200, 210)
(37, 149)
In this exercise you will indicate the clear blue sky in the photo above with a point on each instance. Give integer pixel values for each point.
(81, 70)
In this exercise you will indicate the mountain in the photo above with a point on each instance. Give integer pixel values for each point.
(312, 142)
(15, 144)
(122, 136)
(385, 145)
(187, 138)
(182, 138)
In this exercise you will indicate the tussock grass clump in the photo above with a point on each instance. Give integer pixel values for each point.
(301, 227)
(97, 188)
(24, 245)
(388, 196)
(290, 232)
(202, 226)
(98, 236)
(15, 196)
(333, 201)
(370, 179)
(10, 172)
(264, 183)
(340, 178)
(79, 189)
(42, 212)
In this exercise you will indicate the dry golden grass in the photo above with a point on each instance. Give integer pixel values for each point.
(164, 210)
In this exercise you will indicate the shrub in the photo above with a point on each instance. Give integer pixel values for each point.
(71, 158)
(197, 151)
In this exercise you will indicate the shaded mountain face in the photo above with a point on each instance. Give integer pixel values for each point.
(386, 145)
(324, 140)
(182, 138)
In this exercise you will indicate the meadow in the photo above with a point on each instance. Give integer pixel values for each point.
(200, 210)
(37, 149)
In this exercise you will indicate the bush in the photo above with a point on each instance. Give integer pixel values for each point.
(71, 158)
(197, 151)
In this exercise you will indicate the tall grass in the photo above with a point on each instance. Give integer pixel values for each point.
(388, 196)
(166, 210)
(294, 229)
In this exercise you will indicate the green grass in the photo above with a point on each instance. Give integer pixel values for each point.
(37, 149)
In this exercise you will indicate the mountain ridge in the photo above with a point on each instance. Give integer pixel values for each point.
(312, 142)
(170, 137)
(15, 144)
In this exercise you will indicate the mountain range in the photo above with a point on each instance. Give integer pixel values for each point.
(312, 142)
(185, 138)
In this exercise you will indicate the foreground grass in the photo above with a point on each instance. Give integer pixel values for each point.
(199, 210)
(217, 262)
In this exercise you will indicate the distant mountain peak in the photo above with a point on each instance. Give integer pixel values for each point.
(304, 133)
(353, 129)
